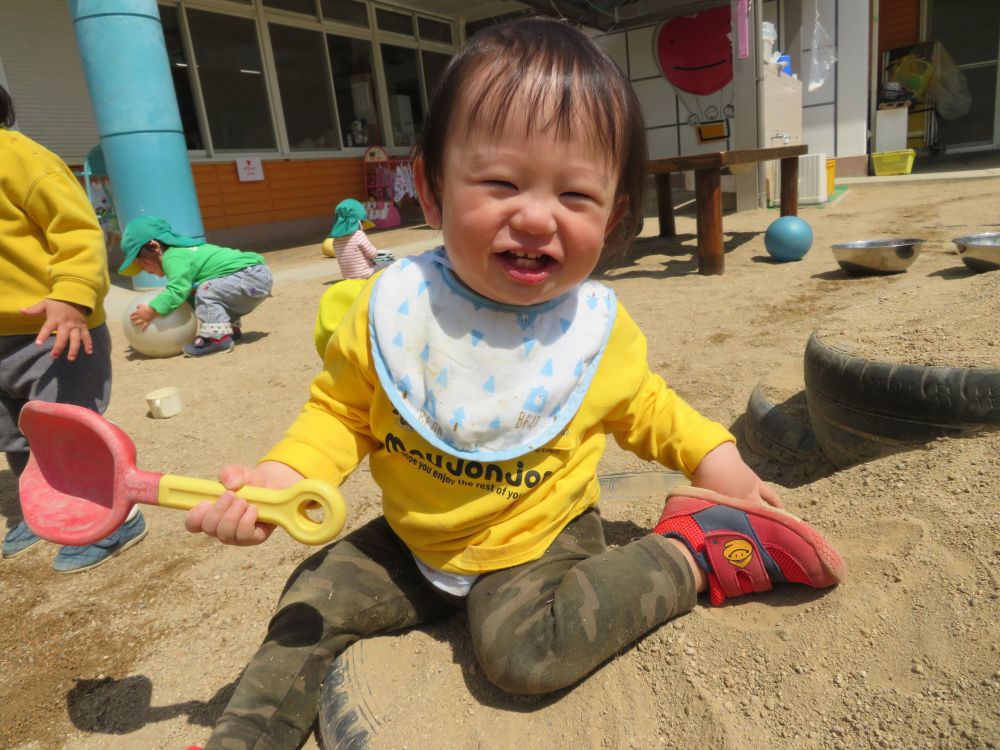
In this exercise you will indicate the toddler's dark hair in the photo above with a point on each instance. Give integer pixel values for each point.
(6, 109)
(539, 65)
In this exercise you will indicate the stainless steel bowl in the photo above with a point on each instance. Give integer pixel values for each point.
(876, 257)
(980, 252)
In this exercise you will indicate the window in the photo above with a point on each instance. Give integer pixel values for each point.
(232, 81)
(434, 31)
(354, 89)
(295, 6)
(434, 64)
(406, 114)
(304, 88)
(347, 11)
(398, 23)
(181, 72)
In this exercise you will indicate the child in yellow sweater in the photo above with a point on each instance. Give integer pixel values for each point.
(54, 343)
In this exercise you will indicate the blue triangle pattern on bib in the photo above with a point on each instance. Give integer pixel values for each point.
(536, 400)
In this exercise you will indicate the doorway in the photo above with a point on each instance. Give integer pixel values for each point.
(970, 32)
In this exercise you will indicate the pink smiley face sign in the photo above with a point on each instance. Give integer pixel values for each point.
(694, 52)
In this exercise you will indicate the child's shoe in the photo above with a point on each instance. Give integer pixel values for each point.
(18, 540)
(237, 333)
(202, 346)
(73, 559)
(746, 547)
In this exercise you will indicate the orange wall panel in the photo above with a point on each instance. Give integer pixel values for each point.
(289, 190)
(898, 23)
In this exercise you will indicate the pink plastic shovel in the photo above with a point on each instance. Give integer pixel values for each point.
(81, 483)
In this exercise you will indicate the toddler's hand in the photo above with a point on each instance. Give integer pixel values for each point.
(68, 320)
(723, 470)
(231, 519)
(142, 316)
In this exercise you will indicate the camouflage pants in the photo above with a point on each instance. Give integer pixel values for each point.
(536, 627)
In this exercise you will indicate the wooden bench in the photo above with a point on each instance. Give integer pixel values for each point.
(708, 193)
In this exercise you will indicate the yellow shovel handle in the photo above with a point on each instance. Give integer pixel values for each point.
(285, 508)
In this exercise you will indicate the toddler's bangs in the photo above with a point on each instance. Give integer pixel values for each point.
(545, 93)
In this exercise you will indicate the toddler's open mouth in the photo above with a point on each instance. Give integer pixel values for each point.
(525, 261)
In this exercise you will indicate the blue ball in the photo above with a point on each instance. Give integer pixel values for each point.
(788, 238)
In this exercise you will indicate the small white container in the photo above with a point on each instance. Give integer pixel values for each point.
(164, 402)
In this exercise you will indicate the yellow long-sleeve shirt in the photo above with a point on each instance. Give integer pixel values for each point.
(470, 517)
(51, 245)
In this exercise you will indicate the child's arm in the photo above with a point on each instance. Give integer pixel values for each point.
(723, 470)
(369, 250)
(78, 264)
(231, 519)
(179, 271)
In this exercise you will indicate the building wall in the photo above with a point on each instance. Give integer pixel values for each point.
(290, 190)
(835, 116)
(41, 65)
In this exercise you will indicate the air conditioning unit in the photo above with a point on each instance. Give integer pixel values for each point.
(812, 180)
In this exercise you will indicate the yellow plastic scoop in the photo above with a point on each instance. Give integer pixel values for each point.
(81, 483)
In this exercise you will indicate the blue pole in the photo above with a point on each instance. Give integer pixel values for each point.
(128, 75)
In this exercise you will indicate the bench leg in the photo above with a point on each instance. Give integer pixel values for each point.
(790, 186)
(708, 196)
(665, 206)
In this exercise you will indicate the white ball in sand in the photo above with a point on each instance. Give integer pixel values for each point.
(166, 334)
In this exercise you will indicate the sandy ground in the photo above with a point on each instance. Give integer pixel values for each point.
(143, 652)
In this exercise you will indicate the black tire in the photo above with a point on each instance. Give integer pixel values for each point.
(861, 408)
(773, 432)
(348, 715)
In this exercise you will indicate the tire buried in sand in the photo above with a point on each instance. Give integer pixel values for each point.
(863, 408)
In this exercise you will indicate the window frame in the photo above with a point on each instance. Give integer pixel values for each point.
(263, 16)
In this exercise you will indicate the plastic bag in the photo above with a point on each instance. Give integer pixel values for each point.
(769, 39)
(950, 89)
(822, 56)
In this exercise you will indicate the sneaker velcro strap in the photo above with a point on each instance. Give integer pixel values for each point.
(737, 563)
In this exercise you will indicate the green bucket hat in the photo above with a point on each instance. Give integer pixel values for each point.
(351, 216)
(141, 230)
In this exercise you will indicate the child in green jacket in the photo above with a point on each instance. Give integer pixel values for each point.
(228, 283)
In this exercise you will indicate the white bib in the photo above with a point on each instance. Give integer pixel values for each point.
(476, 378)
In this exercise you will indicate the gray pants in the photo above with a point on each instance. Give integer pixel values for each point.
(28, 373)
(536, 627)
(220, 303)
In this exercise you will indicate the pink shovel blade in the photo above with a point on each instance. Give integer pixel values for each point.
(81, 480)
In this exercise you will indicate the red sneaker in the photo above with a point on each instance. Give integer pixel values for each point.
(745, 547)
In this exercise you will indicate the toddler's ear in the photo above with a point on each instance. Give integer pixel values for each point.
(428, 203)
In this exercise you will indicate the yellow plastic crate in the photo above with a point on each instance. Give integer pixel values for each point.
(893, 162)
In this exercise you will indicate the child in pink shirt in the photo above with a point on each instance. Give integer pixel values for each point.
(348, 242)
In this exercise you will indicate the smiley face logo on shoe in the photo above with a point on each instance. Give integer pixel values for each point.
(738, 551)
